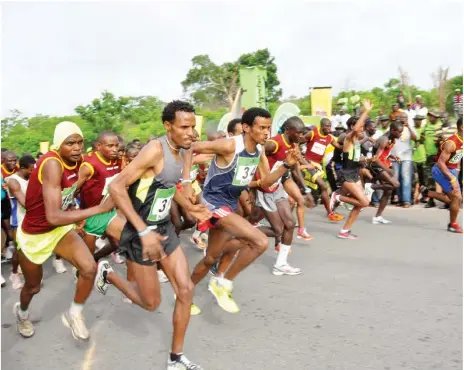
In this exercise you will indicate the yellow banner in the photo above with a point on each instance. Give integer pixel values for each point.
(44, 145)
(198, 124)
(321, 101)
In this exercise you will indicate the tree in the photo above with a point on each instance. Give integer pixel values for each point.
(213, 86)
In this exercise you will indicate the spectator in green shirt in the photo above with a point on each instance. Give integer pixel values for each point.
(431, 142)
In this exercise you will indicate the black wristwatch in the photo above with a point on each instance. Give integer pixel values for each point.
(286, 165)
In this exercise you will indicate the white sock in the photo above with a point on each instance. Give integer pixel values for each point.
(224, 282)
(75, 308)
(343, 231)
(196, 233)
(24, 315)
(283, 253)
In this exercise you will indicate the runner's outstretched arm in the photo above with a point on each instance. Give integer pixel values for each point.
(15, 190)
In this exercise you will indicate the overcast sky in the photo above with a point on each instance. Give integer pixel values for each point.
(56, 56)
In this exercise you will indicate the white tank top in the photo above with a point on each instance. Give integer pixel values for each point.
(23, 184)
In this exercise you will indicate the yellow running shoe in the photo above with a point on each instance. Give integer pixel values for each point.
(194, 310)
(223, 296)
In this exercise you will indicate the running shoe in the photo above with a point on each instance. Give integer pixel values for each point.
(368, 191)
(335, 217)
(117, 258)
(100, 280)
(286, 270)
(3, 282)
(380, 220)
(223, 296)
(194, 310)
(277, 248)
(347, 206)
(59, 266)
(162, 277)
(10, 251)
(24, 326)
(199, 243)
(16, 282)
(333, 201)
(20, 272)
(126, 300)
(302, 234)
(347, 235)
(182, 363)
(455, 228)
(77, 325)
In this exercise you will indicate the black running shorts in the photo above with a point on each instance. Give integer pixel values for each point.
(6, 208)
(348, 175)
(130, 245)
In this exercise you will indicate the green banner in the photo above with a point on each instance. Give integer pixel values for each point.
(253, 83)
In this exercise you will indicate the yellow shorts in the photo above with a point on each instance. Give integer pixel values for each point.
(196, 187)
(39, 247)
(310, 177)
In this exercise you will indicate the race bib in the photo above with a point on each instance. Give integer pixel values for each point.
(318, 148)
(357, 152)
(457, 157)
(67, 197)
(245, 170)
(161, 205)
(194, 172)
(107, 184)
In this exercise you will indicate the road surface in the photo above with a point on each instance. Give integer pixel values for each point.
(391, 300)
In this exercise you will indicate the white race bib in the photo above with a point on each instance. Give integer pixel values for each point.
(245, 170)
(107, 184)
(457, 157)
(161, 205)
(318, 148)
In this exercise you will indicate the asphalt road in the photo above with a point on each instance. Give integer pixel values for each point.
(391, 300)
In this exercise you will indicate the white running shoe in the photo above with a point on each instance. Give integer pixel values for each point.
(100, 280)
(77, 325)
(10, 251)
(368, 191)
(126, 300)
(16, 282)
(380, 220)
(162, 277)
(100, 243)
(182, 364)
(3, 282)
(333, 201)
(286, 270)
(59, 266)
(117, 258)
(24, 326)
(199, 243)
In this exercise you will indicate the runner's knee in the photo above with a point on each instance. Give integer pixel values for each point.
(153, 303)
(32, 288)
(88, 270)
(289, 223)
(185, 292)
(364, 202)
(210, 260)
(261, 244)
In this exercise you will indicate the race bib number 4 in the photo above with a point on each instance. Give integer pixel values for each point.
(457, 157)
(161, 205)
(245, 170)
(318, 148)
(67, 197)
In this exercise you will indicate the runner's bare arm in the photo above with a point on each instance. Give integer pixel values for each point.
(221, 147)
(335, 143)
(383, 141)
(269, 178)
(270, 147)
(358, 127)
(447, 149)
(15, 189)
(186, 181)
(86, 171)
(199, 211)
(200, 158)
(145, 160)
(52, 173)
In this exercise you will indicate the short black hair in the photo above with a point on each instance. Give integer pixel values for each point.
(293, 122)
(4, 150)
(131, 148)
(232, 124)
(10, 152)
(396, 125)
(249, 116)
(135, 140)
(26, 160)
(459, 122)
(324, 120)
(369, 122)
(39, 154)
(102, 135)
(169, 111)
(351, 121)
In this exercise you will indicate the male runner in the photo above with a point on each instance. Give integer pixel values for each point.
(317, 141)
(48, 228)
(381, 167)
(445, 173)
(231, 171)
(17, 186)
(143, 192)
(234, 127)
(8, 168)
(351, 191)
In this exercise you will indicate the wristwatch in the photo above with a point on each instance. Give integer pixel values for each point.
(286, 165)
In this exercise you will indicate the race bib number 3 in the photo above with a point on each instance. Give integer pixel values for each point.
(161, 205)
(318, 148)
(245, 170)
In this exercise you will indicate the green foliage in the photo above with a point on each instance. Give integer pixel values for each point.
(213, 86)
